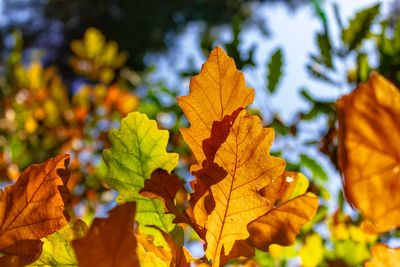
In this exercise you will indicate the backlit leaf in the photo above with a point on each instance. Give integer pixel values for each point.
(110, 241)
(217, 91)
(21, 253)
(33, 207)
(359, 26)
(247, 167)
(57, 249)
(369, 148)
(138, 148)
(383, 256)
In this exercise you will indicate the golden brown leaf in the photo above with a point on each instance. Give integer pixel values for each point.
(282, 224)
(33, 207)
(247, 167)
(383, 256)
(111, 241)
(369, 151)
(217, 91)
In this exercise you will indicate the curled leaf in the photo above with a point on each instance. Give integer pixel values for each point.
(369, 149)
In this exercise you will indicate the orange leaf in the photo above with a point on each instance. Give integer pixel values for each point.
(21, 253)
(282, 224)
(33, 207)
(383, 256)
(247, 167)
(217, 91)
(110, 241)
(369, 149)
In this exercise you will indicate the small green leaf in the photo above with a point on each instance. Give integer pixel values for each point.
(363, 67)
(317, 172)
(359, 26)
(275, 70)
(325, 49)
(138, 148)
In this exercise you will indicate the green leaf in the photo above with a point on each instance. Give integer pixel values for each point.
(138, 148)
(57, 249)
(317, 172)
(275, 70)
(359, 26)
(325, 49)
(363, 67)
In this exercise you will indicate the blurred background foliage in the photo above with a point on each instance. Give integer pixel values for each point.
(70, 70)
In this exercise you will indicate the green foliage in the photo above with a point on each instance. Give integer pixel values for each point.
(359, 27)
(138, 148)
(274, 72)
(317, 172)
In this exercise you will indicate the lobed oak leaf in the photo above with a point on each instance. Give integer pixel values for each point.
(244, 157)
(110, 241)
(33, 207)
(217, 91)
(369, 151)
(383, 256)
(138, 148)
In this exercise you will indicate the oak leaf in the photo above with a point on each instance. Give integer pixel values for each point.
(217, 91)
(110, 241)
(138, 148)
(369, 151)
(383, 256)
(244, 157)
(33, 207)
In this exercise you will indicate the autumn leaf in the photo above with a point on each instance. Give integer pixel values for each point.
(138, 148)
(33, 207)
(383, 256)
(180, 257)
(110, 241)
(165, 186)
(21, 253)
(57, 249)
(282, 224)
(369, 149)
(149, 254)
(248, 168)
(217, 91)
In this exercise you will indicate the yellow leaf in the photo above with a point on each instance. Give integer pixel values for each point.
(369, 149)
(312, 252)
(217, 91)
(242, 166)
